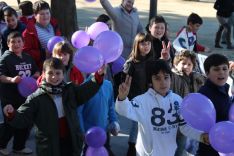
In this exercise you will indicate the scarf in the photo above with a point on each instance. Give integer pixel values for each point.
(52, 89)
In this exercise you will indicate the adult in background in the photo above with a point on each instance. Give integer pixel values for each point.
(224, 10)
(38, 33)
(125, 21)
(231, 24)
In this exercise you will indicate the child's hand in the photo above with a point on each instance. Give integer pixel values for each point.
(231, 65)
(102, 70)
(124, 88)
(16, 79)
(165, 53)
(205, 138)
(114, 128)
(8, 110)
(207, 50)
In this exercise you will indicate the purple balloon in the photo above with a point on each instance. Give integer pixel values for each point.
(110, 44)
(80, 39)
(90, 0)
(95, 137)
(226, 154)
(27, 86)
(96, 28)
(231, 113)
(52, 41)
(88, 59)
(198, 111)
(221, 137)
(101, 151)
(118, 65)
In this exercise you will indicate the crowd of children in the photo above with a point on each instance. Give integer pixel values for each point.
(157, 75)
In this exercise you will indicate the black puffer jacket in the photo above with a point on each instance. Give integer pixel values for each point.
(137, 70)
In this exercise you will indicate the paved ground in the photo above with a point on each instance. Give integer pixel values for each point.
(175, 13)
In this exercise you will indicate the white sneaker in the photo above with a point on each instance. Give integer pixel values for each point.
(4, 151)
(26, 150)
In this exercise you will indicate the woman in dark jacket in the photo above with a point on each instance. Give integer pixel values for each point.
(224, 10)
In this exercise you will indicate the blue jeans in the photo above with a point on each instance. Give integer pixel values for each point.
(231, 24)
(181, 142)
(133, 132)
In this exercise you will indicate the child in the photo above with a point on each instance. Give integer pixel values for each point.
(161, 44)
(14, 65)
(64, 51)
(26, 8)
(185, 81)
(13, 24)
(135, 66)
(187, 36)
(216, 89)
(52, 108)
(100, 111)
(37, 34)
(157, 113)
(105, 19)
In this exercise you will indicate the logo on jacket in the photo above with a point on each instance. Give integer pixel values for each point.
(134, 104)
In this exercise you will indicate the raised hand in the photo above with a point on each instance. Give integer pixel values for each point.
(231, 65)
(114, 128)
(124, 88)
(8, 110)
(205, 138)
(165, 53)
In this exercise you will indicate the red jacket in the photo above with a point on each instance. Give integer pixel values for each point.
(32, 44)
(26, 20)
(75, 76)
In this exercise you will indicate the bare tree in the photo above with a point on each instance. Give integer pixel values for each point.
(153, 8)
(65, 13)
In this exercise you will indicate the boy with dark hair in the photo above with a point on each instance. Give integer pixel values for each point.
(26, 8)
(13, 24)
(38, 33)
(14, 65)
(105, 19)
(160, 42)
(216, 89)
(157, 113)
(52, 108)
(187, 36)
(194, 19)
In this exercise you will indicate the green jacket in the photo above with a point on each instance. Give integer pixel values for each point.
(40, 109)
